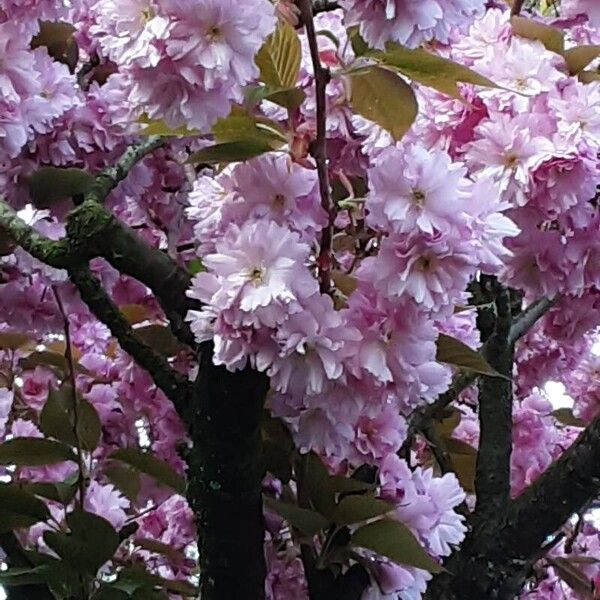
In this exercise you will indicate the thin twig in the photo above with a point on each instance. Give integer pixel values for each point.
(517, 5)
(70, 362)
(319, 147)
(110, 177)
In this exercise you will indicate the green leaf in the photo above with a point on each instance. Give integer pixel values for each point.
(430, 70)
(589, 76)
(241, 126)
(89, 426)
(359, 46)
(195, 266)
(34, 452)
(453, 352)
(49, 184)
(319, 485)
(230, 152)
(395, 541)
(135, 579)
(57, 419)
(91, 541)
(579, 58)
(464, 466)
(158, 469)
(566, 417)
(277, 448)
(45, 358)
(110, 592)
(62, 492)
(13, 341)
(19, 508)
(354, 509)
(307, 521)
(125, 478)
(58, 576)
(455, 446)
(385, 98)
(160, 128)
(23, 576)
(289, 98)
(136, 313)
(279, 58)
(347, 485)
(277, 461)
(552, 38)
(160, 338)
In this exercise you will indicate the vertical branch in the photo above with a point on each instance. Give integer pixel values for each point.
(517, 5)
(70, 363)
(225, 480)
(319, 146)
(492, 481)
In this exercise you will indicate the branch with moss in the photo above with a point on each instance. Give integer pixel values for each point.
(92, 231)
(109, 178)
(175, 386)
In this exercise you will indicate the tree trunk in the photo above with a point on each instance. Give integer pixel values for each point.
(225, 478)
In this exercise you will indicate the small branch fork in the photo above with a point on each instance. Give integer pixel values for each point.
(92, 231)
(319, 147)
(521, 324)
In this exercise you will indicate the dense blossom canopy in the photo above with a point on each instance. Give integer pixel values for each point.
(340, 300)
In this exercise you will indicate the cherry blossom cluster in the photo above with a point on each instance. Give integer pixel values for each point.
(501, 181)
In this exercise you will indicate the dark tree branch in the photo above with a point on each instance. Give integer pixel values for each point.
(54, 254)
(175, 386)
(570, 483)
(529, 317)
(319, 147)
(93, 231)
(492, 480)
(517, 5)
(321, 6)
(225, 479)
(109, 178)
(521, 324)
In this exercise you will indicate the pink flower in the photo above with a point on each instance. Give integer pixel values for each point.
(409, 22)
(508, 152)
(313, 346)
(590, 8)
(222, 38)
(425, 503)
(415, 188)
(18, 77)
(36, 386)
(107, 502)
(6, 401)
(397, 348)
(378, 436)
(431, 269)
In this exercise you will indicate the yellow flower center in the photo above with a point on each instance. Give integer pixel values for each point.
(418, 197)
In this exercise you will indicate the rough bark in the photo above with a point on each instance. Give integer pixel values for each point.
(224, 480)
